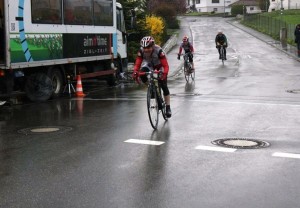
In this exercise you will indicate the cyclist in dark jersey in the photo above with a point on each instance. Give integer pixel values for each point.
(150, 56)
(221, 40)
(188, 48)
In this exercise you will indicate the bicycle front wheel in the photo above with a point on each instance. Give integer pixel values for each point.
(152, 106)
(193, 75)
(222, 55)
(186, 72)
(163, 104)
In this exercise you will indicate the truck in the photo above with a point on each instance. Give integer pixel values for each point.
(46, 43)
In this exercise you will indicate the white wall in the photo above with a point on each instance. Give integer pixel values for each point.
(286, 4)
(208, 6)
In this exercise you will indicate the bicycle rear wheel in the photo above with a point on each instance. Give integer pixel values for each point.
(152, 106)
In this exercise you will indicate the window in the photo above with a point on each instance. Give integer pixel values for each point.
(215, 1)
(46, 11)
(78, 13)
(215, 9)
(103, 12)
(197, 1)
(120, 22)
(251, 8)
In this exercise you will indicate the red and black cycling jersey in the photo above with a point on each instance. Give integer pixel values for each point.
(186, 47)
(157, 58)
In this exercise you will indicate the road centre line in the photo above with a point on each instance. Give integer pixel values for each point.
(148, 142)
(217, 149)
(286, 155)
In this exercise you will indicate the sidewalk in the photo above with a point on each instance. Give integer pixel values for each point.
(290, 50)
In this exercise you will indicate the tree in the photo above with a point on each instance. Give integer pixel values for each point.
(237, 9)
(178, 5)
(168, 12)
(264, 5)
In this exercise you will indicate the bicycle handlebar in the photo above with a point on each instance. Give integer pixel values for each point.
(155, 71)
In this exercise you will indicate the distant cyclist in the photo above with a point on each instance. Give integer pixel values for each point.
(150, 56)
(188, 48)
(221, 40)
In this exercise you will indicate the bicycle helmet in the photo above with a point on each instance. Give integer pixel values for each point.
(147, 42)
(185, 39)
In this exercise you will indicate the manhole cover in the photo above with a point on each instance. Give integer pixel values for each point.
(241, 143)
(293, 91)
(45, 130)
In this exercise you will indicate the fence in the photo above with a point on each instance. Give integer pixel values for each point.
(270, 26)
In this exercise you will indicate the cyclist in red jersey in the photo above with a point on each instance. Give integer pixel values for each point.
(150, 56)
(187, 46)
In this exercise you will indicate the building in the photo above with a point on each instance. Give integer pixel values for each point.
(224, 6)
(284, 4)
(217, 6)
(251, 6)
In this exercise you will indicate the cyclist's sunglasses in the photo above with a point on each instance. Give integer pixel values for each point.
(148, 47)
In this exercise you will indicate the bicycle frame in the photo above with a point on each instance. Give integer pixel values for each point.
(187, 63)
(188, 68)
(155, 101)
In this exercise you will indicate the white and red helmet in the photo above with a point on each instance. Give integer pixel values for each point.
(147, 41)
(185, 39)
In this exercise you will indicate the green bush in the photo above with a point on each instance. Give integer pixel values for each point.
(236, 9)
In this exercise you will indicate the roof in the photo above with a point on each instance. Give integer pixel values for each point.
(245, 2)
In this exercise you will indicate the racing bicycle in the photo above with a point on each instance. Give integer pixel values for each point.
(155, 101)
(187, 68)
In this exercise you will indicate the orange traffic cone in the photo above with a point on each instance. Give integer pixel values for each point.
(79, 91)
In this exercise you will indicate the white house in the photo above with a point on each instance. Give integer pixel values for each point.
(285, 4)
(217, 6)
(251, 6)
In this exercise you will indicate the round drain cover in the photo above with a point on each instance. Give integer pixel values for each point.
(45, 130)
(241, 143)
(293, 91)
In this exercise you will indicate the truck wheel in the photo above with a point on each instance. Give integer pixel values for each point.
(111, 80)
(38, 87)
(57, 81)
(118, 65)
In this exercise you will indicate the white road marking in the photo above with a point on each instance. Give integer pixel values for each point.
(245, 102)
(287, 155)
(110, 99)
(202, 100)
(148, 142)
(217, 149)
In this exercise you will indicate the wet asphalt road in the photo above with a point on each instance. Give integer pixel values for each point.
(87, 158)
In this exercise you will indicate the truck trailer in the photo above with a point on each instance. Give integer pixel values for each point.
(43, 43)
